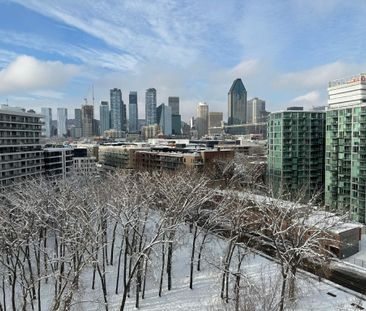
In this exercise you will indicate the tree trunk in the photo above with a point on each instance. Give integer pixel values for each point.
(162, 267)
(104, 285)
(146, 261)
(169, 260)
(192, 257)
(113, 241)
(200, 251)
(283, 291)
(119, 266)
(4, 293)
(291, 283)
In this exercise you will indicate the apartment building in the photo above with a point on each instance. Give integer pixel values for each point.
(296, 152)
(21, 153)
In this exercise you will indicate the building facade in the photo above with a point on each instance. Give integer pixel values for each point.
(296, 153)
(118, 110)
(104, 117)
(133, 113)
(202, 120)
(47, 119)
(21, 154)
(176, 124)
(150, 106)
(87, 116)
(345, 166)
(164, 119)
(61, 122)
(256, 111)
(173, 103)
(237, 103)
(58, 162)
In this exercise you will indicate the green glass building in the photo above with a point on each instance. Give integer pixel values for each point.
(296, 140)
(345, 166)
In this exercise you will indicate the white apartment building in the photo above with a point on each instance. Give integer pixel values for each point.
(21, 153)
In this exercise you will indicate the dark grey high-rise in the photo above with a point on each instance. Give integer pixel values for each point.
(104, 117)
(173, 102)
(133, 112)
(237, 103)
(150, 106)
(118, 110)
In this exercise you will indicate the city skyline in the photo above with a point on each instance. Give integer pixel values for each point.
(134, 46)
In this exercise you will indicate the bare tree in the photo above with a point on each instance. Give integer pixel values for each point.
(297, 234)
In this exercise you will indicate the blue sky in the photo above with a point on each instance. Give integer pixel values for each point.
(286, 51)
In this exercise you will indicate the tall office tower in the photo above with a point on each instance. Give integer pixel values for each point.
(47, 119)
(215, 119)
(118, 110)
(176, 124)
(104, 117)
(202, 120)
(237, 103)
(296, 152)
(173, 102)
(345, 156)
(21, 153)
(150, 106)
(256, 111)
(133, 112)
(87, 116)
(78, 118)
(164, 119)
(61, 122)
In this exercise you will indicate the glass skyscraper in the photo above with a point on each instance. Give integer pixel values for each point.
(118, 110)
(237, 103)
(47, 119)
(150, 106)
(133, 112)
(104, 117)
(61, 122)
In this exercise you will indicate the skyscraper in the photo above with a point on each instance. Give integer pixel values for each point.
(237, 103)
(215, 119)
(104, 117)
(78, 118)
(345, 154)
(47, 119)
(61, 122)
(150, 106)
(202, 119)
(133, 112)
(77, 131)
(164, 119)
(173, 102)
(176, 124)
(256, 110)
(118, 110)
(87, 116)
(296, 152)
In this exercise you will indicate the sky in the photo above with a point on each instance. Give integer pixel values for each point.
(285, 52)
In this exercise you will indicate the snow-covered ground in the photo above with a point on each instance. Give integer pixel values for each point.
(258, 271)
(260, 279)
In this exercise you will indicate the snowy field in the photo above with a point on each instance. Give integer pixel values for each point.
(258, 271)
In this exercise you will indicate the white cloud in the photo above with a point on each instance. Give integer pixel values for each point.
(317, 76)
(309, 100)
(245, 68)
(27, 73)
(48, 94)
